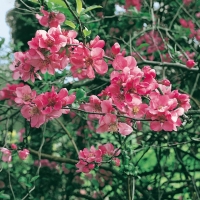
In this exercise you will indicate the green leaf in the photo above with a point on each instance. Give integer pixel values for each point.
(71, 24)
(90, 8)
(4, 196)
(80, 93)
(86, 32)
(79, 6)
(58, 2)
(34, 178)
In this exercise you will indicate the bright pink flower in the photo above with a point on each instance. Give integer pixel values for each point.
(119, 62)
(52, 40)
(96, 42)
(190, 63)
(33, 113)
(96, 105)
(22, 68)
(91, 155)
(182, 99)
(115, 48)
(48, 64)
(108, 149)
(6, 157)
(137, 111)
(24, 95)
(70, 36)
(92, 60)
(88, 159)
(23, 154)
(50, 19)
(109, 123)
(165, 121)
(54, 103)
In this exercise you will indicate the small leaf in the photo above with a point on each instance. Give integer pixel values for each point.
(58, 2)
(34, 178)
(79, 6)
(80, 94)
(86, 32)
(71, 24)
(90, 8)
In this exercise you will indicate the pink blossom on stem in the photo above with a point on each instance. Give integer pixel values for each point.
(6, 155)
(33, 113)
(96, 42)
(109, 123)
(23, 154)
(50, 19)
(24, 95)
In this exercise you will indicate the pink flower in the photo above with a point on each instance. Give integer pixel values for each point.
(53, 40)
(22, 68)
(6, 157)
(97, 43)
(109, 123)
(88, 159)
(115, 48)
(108, 149)
(53, 103)
(9, 92)
(33, 113)
(23, 154)
(190, 63)
(83, 58)
(50, 19)
(24, 95)
(96, 105)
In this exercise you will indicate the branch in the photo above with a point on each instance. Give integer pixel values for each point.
(177, 65)
(54, 158)
(69, 135)
(77, 19)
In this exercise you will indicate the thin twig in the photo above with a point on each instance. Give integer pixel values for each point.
(10, 184)
(195, 84)
(69, 135)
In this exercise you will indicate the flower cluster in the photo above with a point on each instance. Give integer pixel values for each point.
(7, 154)
(54, 49)
(136, 94)
(189, 24)
(50, 19)
(88, 159)
(38, 109)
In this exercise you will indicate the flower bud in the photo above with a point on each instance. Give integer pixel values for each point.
(115, 48)
(190, 63)
(13, 146)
